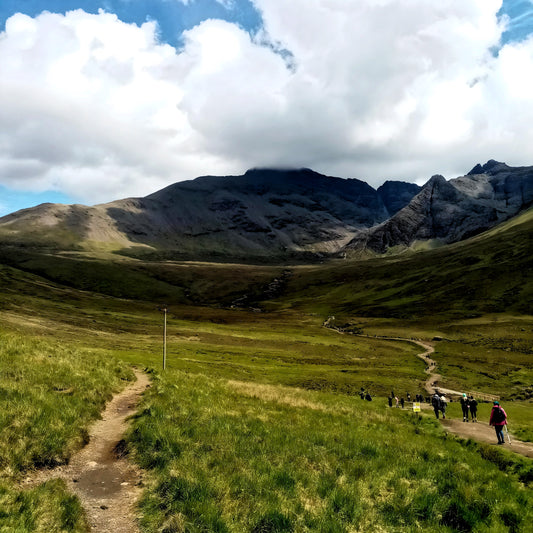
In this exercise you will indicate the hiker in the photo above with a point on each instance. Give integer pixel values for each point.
(362, 395)
(396, 398)
(390, 401)
(473, 409)
(443, 405)
(368, 397)
(464, 407)
(408, 397)
(435, 402)
(402, 401)
(498, 419)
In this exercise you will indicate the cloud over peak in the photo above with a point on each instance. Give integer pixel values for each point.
(101, 109)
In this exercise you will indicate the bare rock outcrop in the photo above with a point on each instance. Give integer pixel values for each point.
(450, 211)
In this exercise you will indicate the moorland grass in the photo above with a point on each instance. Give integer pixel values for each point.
(232, 456)
(44, 509)
(49, 394)
(254, 426)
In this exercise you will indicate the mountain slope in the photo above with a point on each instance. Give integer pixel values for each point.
(279, 215)
(451, 211)
(265, 212)
(489, 273)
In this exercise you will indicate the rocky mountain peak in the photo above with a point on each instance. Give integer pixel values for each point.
(435, 182)
(397, 194)
(276, 212)
(490, 167)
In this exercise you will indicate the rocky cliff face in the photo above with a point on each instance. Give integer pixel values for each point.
(263, 212)
(450, 211)
(397, 194)
(276, 213)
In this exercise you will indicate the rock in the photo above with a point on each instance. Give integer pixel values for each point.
(450, 211)
(280, 213)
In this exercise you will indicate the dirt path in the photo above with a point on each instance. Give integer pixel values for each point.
(433, 379)
(106, 483)
(479, 431)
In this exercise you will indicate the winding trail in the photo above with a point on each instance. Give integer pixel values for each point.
(480, 431)
(433, 378)
(431, 365)
(107, 484)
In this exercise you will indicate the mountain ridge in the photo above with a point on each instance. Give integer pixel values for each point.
(281, 212)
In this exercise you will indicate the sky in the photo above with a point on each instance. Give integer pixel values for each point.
(107, 99)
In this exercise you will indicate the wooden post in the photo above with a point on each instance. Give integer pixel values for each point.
(165, 340)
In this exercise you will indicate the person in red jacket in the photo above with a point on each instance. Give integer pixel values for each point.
(498, 419)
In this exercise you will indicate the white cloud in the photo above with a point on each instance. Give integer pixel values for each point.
(383, 89)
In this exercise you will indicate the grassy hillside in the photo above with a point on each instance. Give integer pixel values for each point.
(230, 455)
(49, 392)
(490, 273)
(256, 425)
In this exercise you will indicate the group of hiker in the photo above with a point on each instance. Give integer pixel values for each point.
(439, 402)
(468, 405)
(365, 395)
(498, 416)
(401, 401)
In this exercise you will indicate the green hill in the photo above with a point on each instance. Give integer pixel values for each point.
(490, 273)
(256, 425)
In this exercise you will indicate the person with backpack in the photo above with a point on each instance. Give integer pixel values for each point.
(464, 407)
(443, 405)
(435, 402)
(473, 408)
(498, 419)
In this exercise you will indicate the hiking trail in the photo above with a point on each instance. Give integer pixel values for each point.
(106, 483)
(480, 431)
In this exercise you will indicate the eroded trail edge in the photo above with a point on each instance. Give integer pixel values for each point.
(107, 484)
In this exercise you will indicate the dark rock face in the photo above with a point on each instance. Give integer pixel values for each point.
(350, 200)
(264, 210)
(450, 211)
(397, 194)
(276, 213)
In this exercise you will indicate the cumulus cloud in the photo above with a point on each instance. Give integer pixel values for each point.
(374, 89)
(91, 107)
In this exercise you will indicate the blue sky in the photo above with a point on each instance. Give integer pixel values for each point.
(123, 97)
(172, 16)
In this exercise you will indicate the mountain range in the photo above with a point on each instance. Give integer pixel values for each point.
(280, 213)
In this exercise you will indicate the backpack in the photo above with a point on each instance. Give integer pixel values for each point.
(497, 415)
(435, 401)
